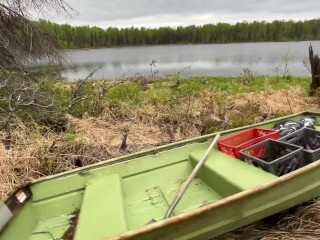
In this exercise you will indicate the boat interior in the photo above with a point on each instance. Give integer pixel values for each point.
(105, 200)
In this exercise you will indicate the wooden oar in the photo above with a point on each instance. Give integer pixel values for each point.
(193, 174)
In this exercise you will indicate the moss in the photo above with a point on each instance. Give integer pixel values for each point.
(70, 136)
(127, 92)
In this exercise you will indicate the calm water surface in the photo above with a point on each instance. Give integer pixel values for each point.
(191, 60)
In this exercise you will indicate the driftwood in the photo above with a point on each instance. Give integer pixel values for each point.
(315, 71)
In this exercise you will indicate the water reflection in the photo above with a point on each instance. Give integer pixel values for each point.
(191, 60)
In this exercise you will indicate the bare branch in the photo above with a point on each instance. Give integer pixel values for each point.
(77, 94)
(19, 92)
(20, 40)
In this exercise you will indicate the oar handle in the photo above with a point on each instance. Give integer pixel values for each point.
(193, 174)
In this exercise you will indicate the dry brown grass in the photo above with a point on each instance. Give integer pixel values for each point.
(287, 101)
(18, 164)
(101, 131)
(300, 224)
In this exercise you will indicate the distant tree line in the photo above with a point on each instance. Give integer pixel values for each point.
(67, 36)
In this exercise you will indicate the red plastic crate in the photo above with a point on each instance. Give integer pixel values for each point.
(234, 144)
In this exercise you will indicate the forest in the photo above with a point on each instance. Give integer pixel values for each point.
(67, 36)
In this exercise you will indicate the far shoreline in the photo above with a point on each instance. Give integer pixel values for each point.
(178, 44)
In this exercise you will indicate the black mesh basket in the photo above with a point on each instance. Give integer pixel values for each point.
(276, 157)
(307, 138)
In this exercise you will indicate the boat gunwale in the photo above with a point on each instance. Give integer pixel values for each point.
(152, 151)
(212, 206)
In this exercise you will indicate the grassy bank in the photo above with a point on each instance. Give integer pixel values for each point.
(92, 121)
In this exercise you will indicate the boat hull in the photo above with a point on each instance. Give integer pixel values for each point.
(236, 211)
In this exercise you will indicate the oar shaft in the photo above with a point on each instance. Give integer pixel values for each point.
(193, 174)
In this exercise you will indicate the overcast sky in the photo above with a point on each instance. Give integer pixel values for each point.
(156, 13)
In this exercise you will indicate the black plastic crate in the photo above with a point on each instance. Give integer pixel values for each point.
(276, 157)
(307, 138)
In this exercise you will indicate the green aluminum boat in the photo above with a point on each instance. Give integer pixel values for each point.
(116, 199)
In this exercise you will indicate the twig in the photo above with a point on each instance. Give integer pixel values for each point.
(289, 103)
(77, 97)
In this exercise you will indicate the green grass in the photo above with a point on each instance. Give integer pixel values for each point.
(165, 94)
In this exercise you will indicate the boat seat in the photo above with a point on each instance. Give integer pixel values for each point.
(102, 213)
(228, 175)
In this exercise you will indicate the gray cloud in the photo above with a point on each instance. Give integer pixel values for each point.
(123, 13)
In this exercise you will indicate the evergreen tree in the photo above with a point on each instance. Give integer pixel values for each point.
(66, 36)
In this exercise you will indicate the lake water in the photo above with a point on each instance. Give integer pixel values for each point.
(191, 60)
